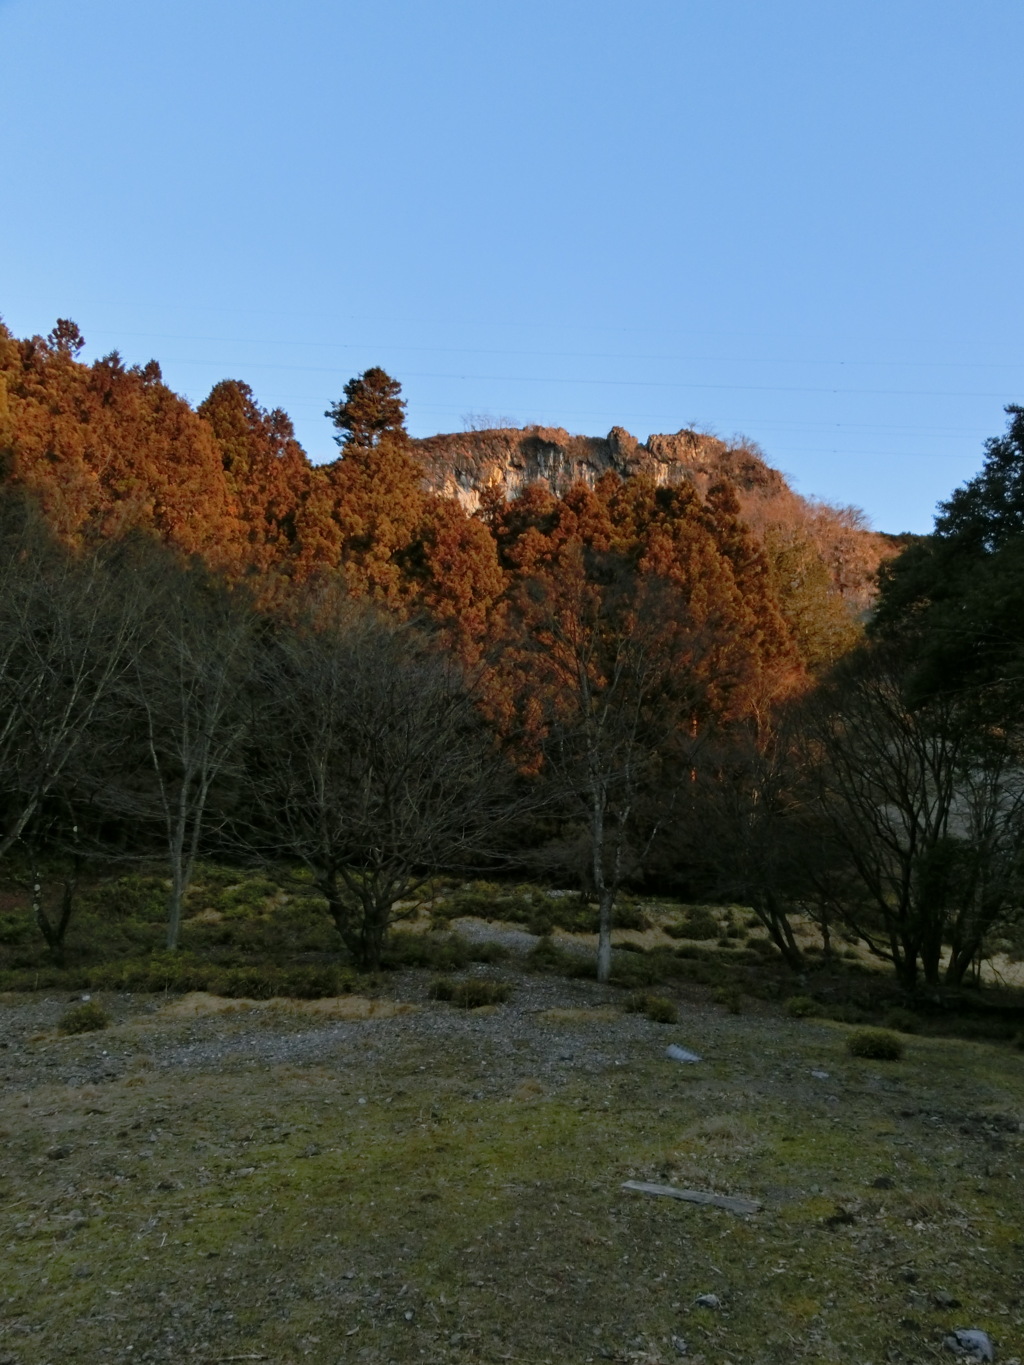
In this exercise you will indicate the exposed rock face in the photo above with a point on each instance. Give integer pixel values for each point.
(462, 464)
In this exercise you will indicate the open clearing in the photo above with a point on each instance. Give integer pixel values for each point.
(369, 1182)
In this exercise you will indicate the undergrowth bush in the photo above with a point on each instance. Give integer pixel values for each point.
(699, 922)
(437, 952)
(539, 911)
(656, 1007)
(801, 1007)
(16, 930)
(88, 1017)
(878, 1045)
(730, 998)
(470, 994)
(546, 956)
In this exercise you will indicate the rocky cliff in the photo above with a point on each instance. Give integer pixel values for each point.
(463, 464)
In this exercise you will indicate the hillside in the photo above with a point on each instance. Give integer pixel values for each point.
(464, 465)
(433, 526)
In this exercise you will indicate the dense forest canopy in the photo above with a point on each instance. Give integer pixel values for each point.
(108, 447)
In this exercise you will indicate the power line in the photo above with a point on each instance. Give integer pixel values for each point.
(579, 355)
(608, 383)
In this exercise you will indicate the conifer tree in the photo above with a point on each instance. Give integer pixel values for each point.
(371, 411)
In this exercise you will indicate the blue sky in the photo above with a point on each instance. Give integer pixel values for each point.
(798, 221)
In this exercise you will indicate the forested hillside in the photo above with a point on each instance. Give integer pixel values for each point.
(645, 666)
(108, 448)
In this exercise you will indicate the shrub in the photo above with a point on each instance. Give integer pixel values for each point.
(876, 1044)
(634, 970)
(655, 1007)
(902, 1020)
(660, 1010)
(730, 998)
(440, 953)
(801, 1007)
(699, 922)
(85, 1018)
(628, 915)
(546, 956)
(694, 952)
(133, 896)
(471, 994)
(15, 930)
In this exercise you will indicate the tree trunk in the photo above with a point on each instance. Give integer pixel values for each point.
(606, 904)
(605, 894)
(776, 921)
(931, 959)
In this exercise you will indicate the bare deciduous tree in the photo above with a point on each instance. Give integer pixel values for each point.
(68, 635)
(371, 767)
(185, 712)
(611, 667)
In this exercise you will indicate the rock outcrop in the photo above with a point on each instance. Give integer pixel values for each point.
(463, 464)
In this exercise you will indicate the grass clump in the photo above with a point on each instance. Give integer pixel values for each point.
(85, 1018)
(546, 956)
(801, 1007)
(656, 1007)
(730, 998)
(470, 995)
(876, 1044)
(293, 983)
(699, 922)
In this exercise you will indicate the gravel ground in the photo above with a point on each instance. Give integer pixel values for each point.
(516, 1039)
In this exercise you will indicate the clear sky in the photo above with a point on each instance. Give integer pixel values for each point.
(800, 221)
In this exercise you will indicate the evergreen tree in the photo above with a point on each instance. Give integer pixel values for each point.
(371, 411)
(957, 596)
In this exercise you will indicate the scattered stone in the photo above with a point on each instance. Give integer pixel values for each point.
(734, 1203)
(820, 1075)
(970, 1344)
(708, 1301)
(680, 1346)
(943, 1300)
(83, 1272)
(58, 1153)
(681, 1054)
(883, 1182)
